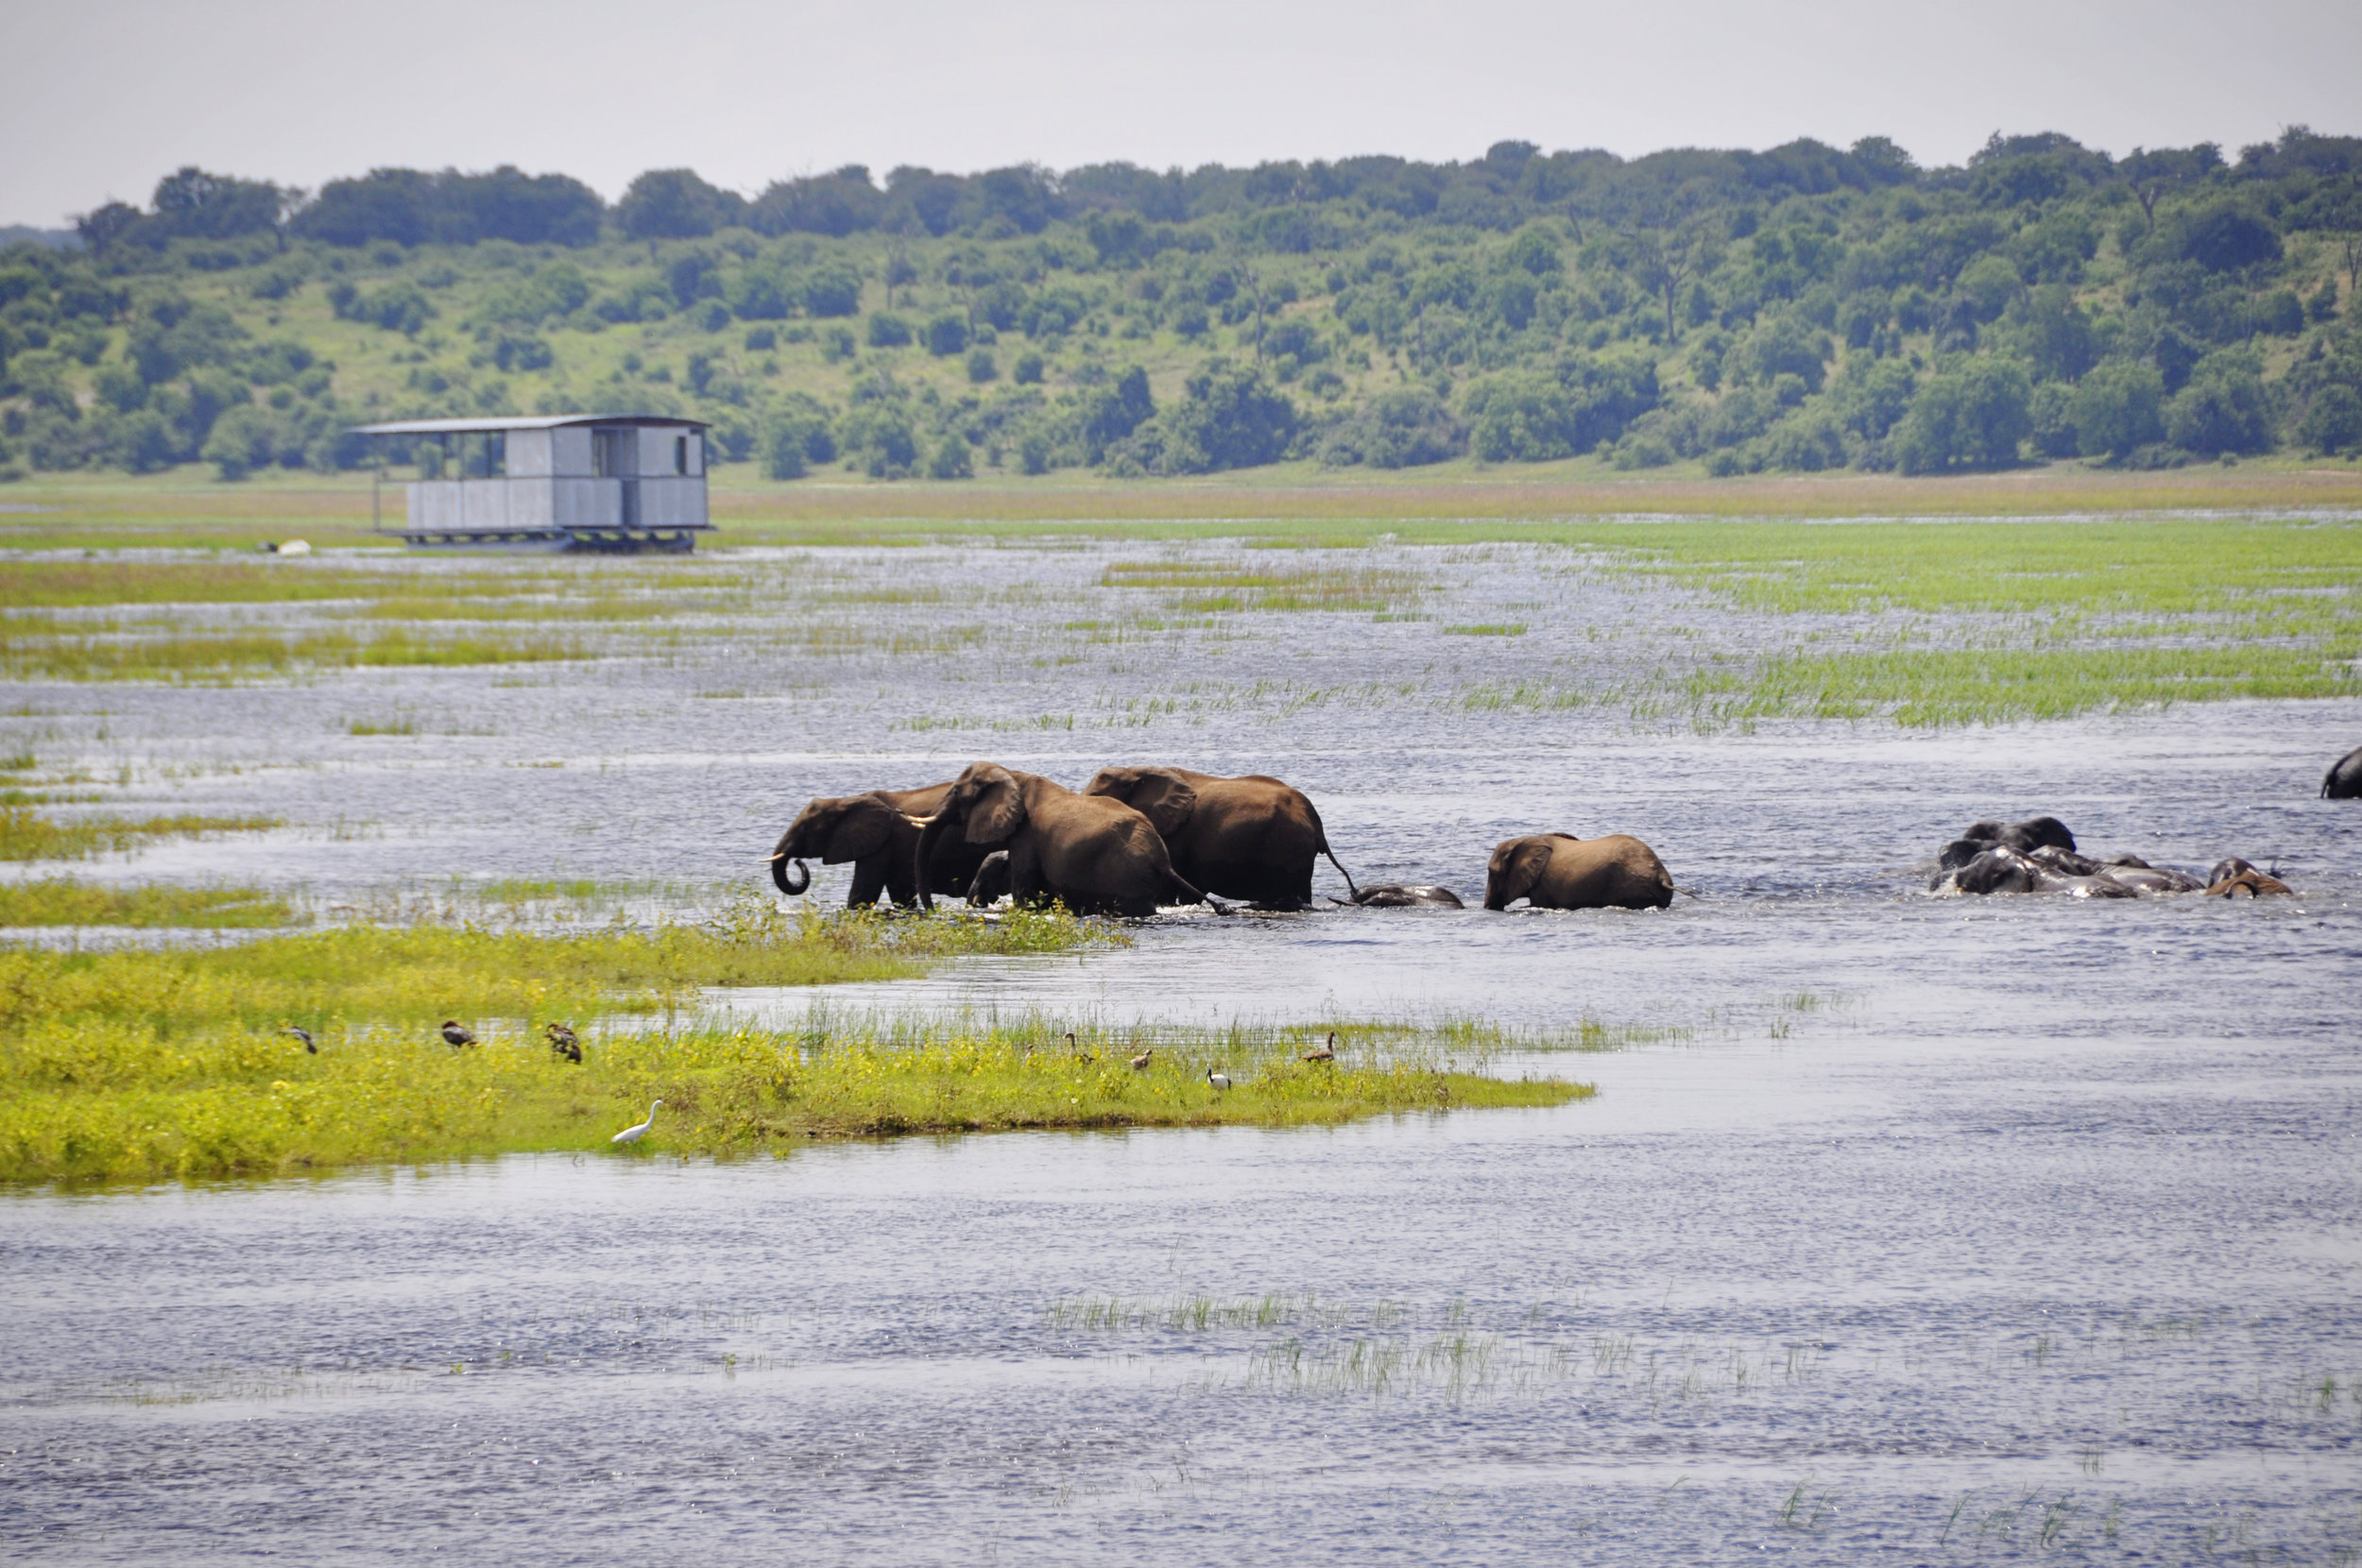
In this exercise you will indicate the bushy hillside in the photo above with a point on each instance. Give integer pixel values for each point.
(1801, 309)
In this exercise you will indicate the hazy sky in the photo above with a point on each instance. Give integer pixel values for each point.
(99, 97)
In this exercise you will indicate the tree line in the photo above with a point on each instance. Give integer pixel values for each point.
(1803, 308)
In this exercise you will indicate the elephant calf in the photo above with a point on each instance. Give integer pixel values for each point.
(1558, 871)
(1253, 838)
(874, 831)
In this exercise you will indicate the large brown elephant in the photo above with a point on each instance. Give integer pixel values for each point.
(1094, 855)
(1253, 838)
(1558, 871)
(879, 832)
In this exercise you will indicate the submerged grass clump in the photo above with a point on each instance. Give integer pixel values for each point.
(56, 901)
(141, 1065)
(26, 835)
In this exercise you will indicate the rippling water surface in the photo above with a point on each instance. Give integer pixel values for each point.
(1935, 1230)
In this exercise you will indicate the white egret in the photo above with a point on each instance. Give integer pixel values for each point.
(633, 1135)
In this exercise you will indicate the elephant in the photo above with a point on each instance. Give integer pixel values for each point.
(879, 833)
(2232, 876)
(1558, 871)
(1399, 895)
(2344, 780)
(991, 881)
(2024, 837)
(2047, 868)
(1253, 838)
(1094, 855)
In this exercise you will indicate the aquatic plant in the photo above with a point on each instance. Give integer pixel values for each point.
(26, 835)
(135, 1065)
(55, 902)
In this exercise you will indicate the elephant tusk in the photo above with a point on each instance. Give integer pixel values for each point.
(780, 856)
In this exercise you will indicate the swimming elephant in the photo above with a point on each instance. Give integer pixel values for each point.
(2024, 837)
(1253, 838)
(1094, 855)
(2234, 877)
(1400, 895)
(2344, 779)
(1558, 871)
(878, 833)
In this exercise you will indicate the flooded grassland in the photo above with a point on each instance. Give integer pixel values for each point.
(1898, 1227)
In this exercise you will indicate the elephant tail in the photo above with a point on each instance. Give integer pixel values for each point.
(1183, 891)
(1333, 861)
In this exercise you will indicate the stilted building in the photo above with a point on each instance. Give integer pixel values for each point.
(564, 482)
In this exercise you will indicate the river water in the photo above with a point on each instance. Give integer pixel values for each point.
(1924, 1230)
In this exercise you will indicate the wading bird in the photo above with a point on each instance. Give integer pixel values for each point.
(633, 1135)
(1139, 1063)
(305, 1035)
(1220, 1081)
(1327, 1053)
(455, 1036)
(562, 1042)
(1080, 1055)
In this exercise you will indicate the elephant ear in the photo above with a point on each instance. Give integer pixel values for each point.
(1117, 782)
(998, 811)
(1165, 799)
(1525, 861)
(861, 828)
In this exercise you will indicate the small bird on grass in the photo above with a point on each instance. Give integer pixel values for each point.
(1220, 1081)
(455, 1036)
(633, 1135)
(1327, 1053)
(1139, 1063)
(562, 1042)
(305, 1035)
(1080, 1054)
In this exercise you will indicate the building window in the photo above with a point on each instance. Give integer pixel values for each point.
(610, 455)
(681, 455)
(484, 454)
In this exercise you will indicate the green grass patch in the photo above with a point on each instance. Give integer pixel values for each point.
(1922, 688)
(1204, 587)
(1482, 629)
(26, 835)
(55, 902)
(139, 1065)
(59, 654)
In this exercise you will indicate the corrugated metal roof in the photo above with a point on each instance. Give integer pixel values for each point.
(516, 421)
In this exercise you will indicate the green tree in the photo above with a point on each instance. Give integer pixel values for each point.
(946, 334)
(2119, 407)
(1970, 416)
(951, 459)
(2334, 422)
(2222, 408)
(674, 204)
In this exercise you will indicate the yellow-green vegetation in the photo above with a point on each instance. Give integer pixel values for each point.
(26, 835)
(143, 1066)
(65, 651)
(141, 1063)
(55, 902)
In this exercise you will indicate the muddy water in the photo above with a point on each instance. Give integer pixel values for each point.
(1941, 1229)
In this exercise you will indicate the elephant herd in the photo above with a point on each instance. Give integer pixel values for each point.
(1135, 838)
(2039, 854)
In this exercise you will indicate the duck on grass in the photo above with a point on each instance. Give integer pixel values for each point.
(143, 1066)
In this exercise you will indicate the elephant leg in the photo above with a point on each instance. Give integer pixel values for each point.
(869, 878)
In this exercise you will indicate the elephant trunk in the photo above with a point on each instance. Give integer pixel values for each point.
(792, 882)
(924, 855)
